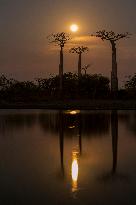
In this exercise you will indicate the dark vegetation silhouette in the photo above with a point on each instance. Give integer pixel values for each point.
(130, 86)
(91, 87)
(112, 37)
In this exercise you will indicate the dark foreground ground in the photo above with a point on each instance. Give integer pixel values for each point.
(73, 104)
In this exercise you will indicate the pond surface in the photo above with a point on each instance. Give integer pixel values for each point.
(67, 157)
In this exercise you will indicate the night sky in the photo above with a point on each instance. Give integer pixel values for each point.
(24, 25)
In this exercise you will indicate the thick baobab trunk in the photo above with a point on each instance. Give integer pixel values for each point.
(114, 133)
(114, 78)
(61, 71)
(79, 66)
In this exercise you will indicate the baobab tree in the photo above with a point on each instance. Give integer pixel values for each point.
(79, 50)
(60, 39)
(112, 37)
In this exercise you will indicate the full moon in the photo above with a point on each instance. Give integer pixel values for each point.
(74, 27)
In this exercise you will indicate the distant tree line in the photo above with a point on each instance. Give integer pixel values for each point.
(43, 89)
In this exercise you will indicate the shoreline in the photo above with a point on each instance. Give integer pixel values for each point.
(74, 104)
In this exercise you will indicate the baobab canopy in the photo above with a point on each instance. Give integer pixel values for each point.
(59, 39)
(112, 37)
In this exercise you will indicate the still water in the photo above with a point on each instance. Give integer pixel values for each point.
(67, 157)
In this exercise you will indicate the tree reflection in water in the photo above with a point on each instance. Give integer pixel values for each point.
(113, 174)
(77, 150)
(114, 133)
(72, 122)
(61, 141)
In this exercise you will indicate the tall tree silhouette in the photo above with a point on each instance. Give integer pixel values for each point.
(112, 37)
(79, 50)
(60, 39)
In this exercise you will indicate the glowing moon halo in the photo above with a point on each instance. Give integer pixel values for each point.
(74, 27)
